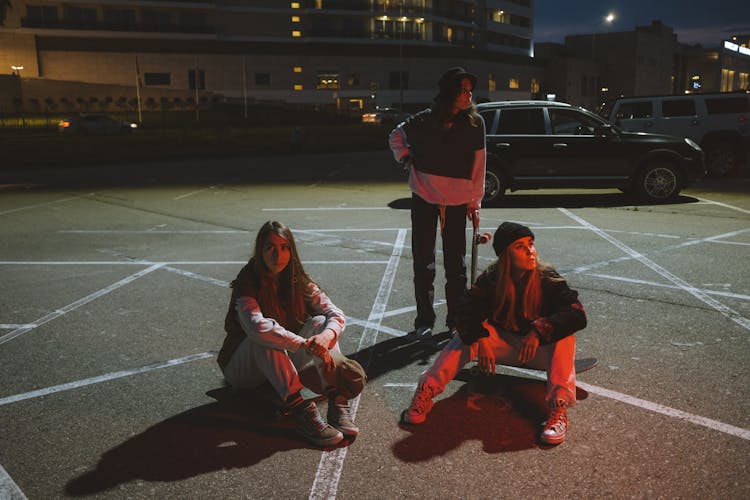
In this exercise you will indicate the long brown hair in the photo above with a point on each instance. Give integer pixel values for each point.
(508, 292)
(280, 297)
(443, 108)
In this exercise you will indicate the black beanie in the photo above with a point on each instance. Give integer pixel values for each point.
(507, 233)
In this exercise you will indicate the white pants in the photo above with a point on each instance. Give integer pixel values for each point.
(557, 359)
(252, 364)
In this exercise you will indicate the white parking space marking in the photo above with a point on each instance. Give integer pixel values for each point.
(152, 231)
(104, 378)
(329, 469)
(666, 410)
(9, 490)
(662, 285)
(75, 305)
(29, 207)
(183, 196)
(322, 209)
(721, 308)
(725, 205)
(627, 399)
(169, 263)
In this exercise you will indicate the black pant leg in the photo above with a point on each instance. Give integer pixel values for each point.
(424, 218)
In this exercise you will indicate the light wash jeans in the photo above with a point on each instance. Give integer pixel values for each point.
(557, 359)
(252, 364)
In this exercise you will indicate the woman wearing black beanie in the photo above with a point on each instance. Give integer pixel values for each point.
(520, 312)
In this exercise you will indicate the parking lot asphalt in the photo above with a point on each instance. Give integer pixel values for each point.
(115, 284)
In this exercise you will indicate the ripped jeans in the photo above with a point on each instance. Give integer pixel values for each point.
(557, 359)
(251, 365)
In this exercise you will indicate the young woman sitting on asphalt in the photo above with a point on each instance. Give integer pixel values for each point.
(281, 325)
(519, 312)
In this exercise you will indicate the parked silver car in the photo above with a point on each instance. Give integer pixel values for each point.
(719, 122)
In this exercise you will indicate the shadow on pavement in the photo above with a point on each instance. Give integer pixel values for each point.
(505, 413)
(555, 200)
(230, 433)
(398, 352)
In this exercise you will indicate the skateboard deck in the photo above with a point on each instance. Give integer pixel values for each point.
(581, 365)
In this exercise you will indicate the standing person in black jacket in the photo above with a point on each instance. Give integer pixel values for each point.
(519, 312)
(443, 149)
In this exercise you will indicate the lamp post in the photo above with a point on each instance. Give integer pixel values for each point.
(17, 70)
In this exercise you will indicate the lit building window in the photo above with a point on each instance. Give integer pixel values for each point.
(296, 33)
(500, 16)
(298, 69)
(727, 80)
(295, 5)
(534, 85)
(743, 83)
(513, 83)
(298, 86)
(295, 19)
(327, 80)
(492, 83)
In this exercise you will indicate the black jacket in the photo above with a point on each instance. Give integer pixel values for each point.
(562, 313)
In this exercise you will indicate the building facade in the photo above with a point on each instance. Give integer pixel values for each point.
(589, 69)
(344, 54)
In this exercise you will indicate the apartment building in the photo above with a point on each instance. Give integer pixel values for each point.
(347, 54)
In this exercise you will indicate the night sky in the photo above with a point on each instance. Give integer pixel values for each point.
(695, 21)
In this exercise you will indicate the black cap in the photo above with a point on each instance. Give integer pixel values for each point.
(507, 233)
(450, 83)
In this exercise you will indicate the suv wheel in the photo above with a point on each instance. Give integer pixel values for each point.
(494, 185)
(658, 182)
(721, 159)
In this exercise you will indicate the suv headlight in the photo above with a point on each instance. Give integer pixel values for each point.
(693, 144)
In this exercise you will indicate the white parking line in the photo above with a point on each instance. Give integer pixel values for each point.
(731, 207)
(9, 490)
(329, 468)
(323, 209)
(183, 196)
(627, 399)
(75, 305)
(721, 308)
(104, 378)
(662, 285)
(29, 207)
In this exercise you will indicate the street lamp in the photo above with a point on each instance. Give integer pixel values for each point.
(17, 70)
(608, 19)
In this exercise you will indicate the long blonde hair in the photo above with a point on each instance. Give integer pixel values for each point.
(508, 290)
(281, 297)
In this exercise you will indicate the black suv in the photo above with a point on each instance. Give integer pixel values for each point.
(546, 144)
